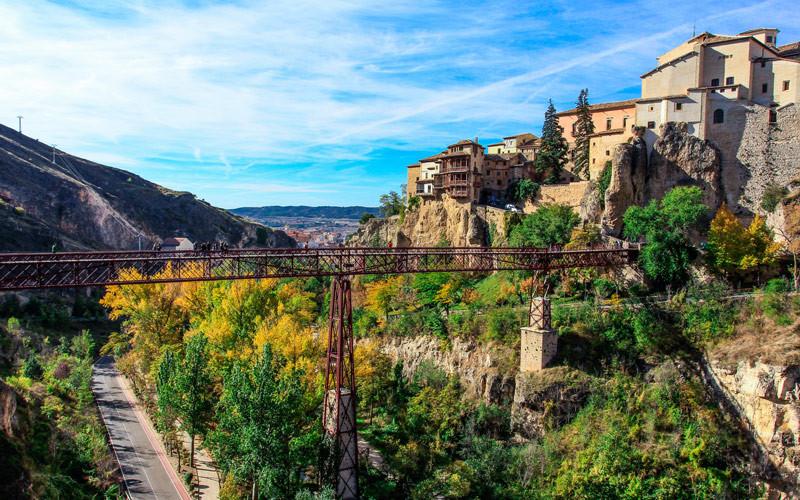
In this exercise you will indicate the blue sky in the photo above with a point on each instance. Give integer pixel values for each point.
(323, 103)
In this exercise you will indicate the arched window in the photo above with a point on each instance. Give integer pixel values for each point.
(719, 116)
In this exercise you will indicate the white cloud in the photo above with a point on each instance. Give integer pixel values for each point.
(322, 87)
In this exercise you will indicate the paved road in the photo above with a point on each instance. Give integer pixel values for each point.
(144, 467)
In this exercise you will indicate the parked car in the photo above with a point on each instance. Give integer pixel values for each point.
(513, 208)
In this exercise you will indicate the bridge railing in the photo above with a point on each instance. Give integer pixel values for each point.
(48, 270)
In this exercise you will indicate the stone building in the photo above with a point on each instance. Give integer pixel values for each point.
(512, 144)
(612, 126)
(739, 92)
(413, 180)
(499, 171)
(703, 81)
(460, 173)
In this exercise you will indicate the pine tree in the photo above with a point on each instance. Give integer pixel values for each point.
(584, 127)
(553, 153)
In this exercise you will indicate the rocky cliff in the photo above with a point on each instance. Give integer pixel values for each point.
(486, 372)
(677, 159)
(766, 398)
(80, 204)
(428, 224)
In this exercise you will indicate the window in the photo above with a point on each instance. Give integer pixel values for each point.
(715, 82)
(594, 144)
(651, 125)
(608, 123)
(678, 106)
(719, 116)
(608, 153)
(769, 38)
(624, 121)
(764, 88)
(652, 108)
(763, 64)
(593, 161)
(773, 116)
(729, 80)
(786, 85)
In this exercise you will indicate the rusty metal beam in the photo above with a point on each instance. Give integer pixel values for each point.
(63, 270)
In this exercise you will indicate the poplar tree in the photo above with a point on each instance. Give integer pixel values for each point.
(194, 386)
(553, 153)
(584, 127)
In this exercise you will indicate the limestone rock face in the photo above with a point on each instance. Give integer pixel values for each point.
(459, 223)
(591, 209)
(767, 400)
(552, 396)
(622, 192)
(478, 367)
(8, 409)
(680, 159)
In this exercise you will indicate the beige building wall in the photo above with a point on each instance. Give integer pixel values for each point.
(413, 178)
(672, 79)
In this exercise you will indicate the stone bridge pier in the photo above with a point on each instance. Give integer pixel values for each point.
(539, 343)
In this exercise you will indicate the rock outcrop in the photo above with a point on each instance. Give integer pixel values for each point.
(628, 179)
(428, 224)
(591, 207)
(484, 371)
(80, 204)
(766, 398)
(677, 159)
(8, 409)
(550, 397)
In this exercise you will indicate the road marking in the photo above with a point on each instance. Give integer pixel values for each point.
(175, 481)
(133, 445)
(111, 441)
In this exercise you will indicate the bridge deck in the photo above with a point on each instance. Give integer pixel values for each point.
(60, 270)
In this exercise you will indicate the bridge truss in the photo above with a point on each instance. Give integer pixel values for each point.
(66, 270)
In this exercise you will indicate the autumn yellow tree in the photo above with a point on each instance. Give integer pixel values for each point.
(734, 248)
(446, 296)
(383, 296)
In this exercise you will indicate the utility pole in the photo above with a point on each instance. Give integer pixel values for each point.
(139, 237)
(20, 123)
(54, 152)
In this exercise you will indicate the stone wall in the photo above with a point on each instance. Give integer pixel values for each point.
(756, 153)
(537, 348)
(563, 194)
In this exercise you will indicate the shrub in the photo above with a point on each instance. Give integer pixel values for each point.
(604, 287)
(773, 194)
(61, 371)
(365, 217)
(32, 369)
(503, 324)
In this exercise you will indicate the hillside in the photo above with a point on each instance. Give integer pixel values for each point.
(83, 205)
(325, 212)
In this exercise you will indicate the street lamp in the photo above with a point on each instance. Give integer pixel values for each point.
(20, 123)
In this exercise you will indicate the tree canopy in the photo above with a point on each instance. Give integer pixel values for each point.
(553, 153)
(584, 127)
(551, 224)
(666, 225)
(734, 248)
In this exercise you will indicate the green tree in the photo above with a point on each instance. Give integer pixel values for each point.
(168, 398)
(391, 204)
(259, 437)
(193, 383)
(365, 217)
(522, 189)
(666, 226)
(553, 152)
(584, 127)
(551, 224)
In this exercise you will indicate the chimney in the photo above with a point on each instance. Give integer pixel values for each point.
(476, 140)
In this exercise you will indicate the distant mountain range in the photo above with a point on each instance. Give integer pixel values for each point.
(82, 205)
(260, 213)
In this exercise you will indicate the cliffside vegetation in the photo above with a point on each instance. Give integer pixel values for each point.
(238, 365)
(52, 441)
